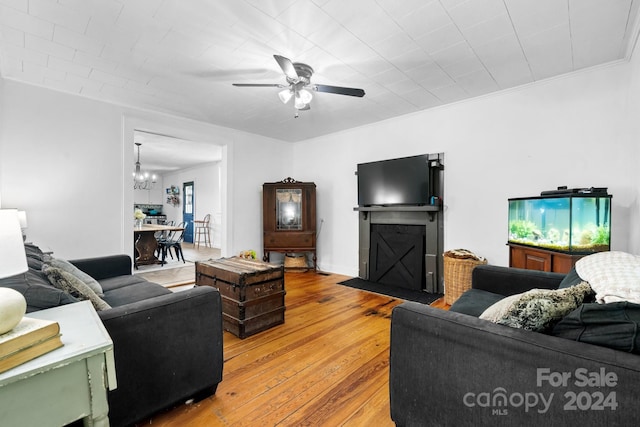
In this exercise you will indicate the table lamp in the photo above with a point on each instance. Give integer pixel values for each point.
(13, 261)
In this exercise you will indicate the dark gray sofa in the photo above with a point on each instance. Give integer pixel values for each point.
(448, 368)
(167, 346)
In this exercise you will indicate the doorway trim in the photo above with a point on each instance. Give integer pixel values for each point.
(183, 129)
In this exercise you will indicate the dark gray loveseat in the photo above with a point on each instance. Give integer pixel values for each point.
(454, 369)
(167, 346)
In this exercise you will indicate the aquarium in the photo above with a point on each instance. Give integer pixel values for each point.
(574, 224)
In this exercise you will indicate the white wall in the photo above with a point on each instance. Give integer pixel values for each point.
(155, 196)
(632, 134)
(565, 131)
(260, 164)
(62, 164)
(1, 115)
(67, 161)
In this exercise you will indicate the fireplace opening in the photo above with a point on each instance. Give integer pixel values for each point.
(397, 255)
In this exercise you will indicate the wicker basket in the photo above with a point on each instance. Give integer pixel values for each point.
(457, 275)
(295, 261)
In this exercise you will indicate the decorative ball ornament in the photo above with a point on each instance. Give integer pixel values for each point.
(12, 307)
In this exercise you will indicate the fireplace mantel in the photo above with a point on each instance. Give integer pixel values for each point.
(431, 209)
(421, 208)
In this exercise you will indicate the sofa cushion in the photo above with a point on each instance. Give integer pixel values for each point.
(615, 325)
(571, 279)
(474, 301)
(37, 290)
(67, 282)
(539, 309)
(138, 291)
(117, 282)
(76, 272)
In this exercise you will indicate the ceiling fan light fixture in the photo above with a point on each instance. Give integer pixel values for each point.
(305, 95)
(285, 95)
(298, 77)
(299, 104)
(303, 98)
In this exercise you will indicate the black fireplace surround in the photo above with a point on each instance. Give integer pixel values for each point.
(402, 245)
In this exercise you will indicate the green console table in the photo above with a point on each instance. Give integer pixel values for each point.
(66, 384)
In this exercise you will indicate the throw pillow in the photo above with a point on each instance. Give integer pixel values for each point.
(615, 325)
(500, 309)
(74, 286)
(75, 271)
(37, 290)
(614, 276)
(33, 251)
(539, 309)
(35, 256)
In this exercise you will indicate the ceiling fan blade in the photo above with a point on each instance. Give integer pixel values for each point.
(287, 67)
(259, 85)
(338, 90)
(305, 108)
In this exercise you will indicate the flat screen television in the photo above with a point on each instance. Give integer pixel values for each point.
(403, 181)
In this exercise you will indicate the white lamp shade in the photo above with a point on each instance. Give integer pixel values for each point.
(13, 259)
(303, 97)
(285, 95)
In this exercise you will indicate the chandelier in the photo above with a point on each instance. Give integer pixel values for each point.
(142, 180)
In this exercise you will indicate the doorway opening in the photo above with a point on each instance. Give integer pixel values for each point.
(179, 154)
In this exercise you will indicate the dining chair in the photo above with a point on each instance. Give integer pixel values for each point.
(201, 229)
(161, 236)
(174, 240)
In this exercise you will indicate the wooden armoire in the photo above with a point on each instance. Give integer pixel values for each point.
(289, 219)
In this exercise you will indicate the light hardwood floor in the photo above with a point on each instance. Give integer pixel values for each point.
(177, 273)
(327, 365)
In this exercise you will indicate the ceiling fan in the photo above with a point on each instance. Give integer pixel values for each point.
(298, 77)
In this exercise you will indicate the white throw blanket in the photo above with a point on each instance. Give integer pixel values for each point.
(614, 276)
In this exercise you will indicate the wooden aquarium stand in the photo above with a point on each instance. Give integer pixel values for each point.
(521, 256)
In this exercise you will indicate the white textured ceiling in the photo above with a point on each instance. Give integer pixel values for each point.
(180, 57)
(164, 153)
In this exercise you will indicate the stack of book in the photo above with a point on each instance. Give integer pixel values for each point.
(29, 339)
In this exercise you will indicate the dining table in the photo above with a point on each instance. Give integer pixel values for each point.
(146, 243)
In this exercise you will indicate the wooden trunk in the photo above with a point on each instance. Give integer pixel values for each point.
(252, 293)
